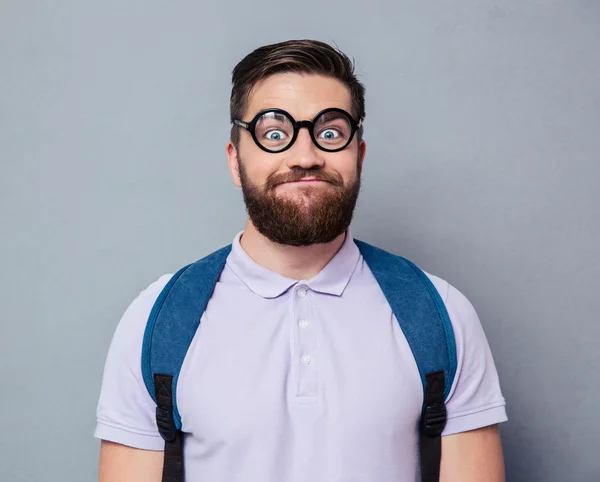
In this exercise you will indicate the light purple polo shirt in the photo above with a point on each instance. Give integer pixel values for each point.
(297, 381)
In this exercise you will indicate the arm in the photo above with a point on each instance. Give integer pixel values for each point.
(132, 448)
(473, 456)
(119, 463)
(471, 448)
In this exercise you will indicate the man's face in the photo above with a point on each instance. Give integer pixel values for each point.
(304, 195)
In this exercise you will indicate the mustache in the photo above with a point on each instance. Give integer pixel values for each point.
(295, 175)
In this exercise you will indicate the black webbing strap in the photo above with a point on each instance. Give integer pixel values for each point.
(173, 464)
(433, 421)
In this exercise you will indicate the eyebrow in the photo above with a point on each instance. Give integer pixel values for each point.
(327, 117)
(331, 116)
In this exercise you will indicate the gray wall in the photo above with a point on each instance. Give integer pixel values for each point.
(483, 133)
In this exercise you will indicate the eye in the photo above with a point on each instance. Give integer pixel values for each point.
(329, 134)
(275, 135)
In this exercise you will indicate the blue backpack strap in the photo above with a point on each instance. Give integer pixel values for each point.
(170, 329)
(414, 300)
(424, 320)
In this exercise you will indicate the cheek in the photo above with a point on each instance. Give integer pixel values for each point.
(258, 165)
(345, 163)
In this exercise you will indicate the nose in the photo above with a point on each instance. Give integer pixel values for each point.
(304, 153)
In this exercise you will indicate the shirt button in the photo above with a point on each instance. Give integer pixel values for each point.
(303, 324)
(302, 292)
(306, 359)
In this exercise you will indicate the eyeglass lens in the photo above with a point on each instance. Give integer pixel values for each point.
(274, 130)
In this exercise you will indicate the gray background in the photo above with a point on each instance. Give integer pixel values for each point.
(483, 133)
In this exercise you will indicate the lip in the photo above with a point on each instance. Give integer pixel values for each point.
(305, 180)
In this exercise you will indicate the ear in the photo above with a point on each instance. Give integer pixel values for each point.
(362, 150)
(234, 163)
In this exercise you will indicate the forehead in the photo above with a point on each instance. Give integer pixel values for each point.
(302, 95)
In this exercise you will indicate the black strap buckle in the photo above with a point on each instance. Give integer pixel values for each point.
(164, 410)
(166, 424)
(433, 420)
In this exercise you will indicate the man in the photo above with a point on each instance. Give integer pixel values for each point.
(299, 370)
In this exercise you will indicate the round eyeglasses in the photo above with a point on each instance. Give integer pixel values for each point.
(275, 130)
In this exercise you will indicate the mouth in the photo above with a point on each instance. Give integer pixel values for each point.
(306, 180)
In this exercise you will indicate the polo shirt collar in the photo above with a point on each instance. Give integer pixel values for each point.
(332, 279)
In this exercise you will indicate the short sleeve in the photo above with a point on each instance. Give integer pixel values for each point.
(126, 412)
(475, 399)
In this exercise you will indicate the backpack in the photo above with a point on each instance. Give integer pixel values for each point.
(413, 298)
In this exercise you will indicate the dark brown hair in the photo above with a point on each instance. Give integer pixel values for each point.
(298, 56)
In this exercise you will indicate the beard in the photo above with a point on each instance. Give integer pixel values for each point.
(312, 215)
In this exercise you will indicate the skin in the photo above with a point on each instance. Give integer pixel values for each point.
(119, 463)
(473, 456)
(303, 96)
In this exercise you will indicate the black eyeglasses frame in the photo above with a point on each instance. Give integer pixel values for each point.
(250, 127)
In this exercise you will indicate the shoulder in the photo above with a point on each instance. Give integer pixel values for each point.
(454, 300)
(475, 399)
(128, 335)
(463, 316)
(125, 411)
(151, 292)
(138, 311)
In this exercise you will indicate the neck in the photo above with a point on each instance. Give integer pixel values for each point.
(300, 263)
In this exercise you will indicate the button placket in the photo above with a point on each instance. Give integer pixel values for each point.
(306, 356)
